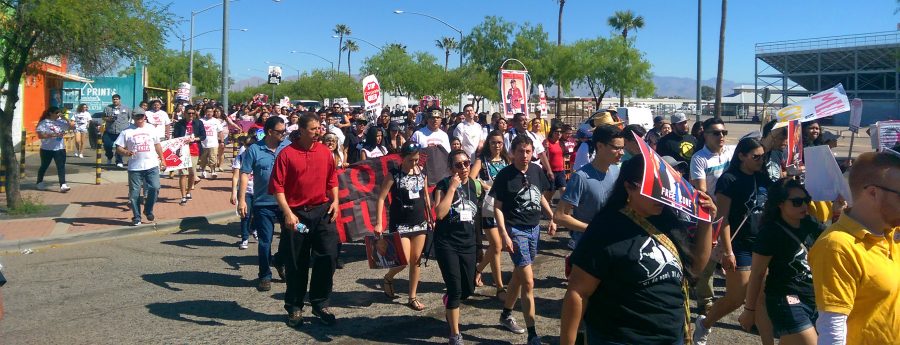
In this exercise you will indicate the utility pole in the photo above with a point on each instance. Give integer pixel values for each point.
(225, 57)
(699, 22)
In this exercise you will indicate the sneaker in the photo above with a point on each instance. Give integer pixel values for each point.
(255, 236)
(120, 165)
(215, 175)
(295, 319)
(189, 197)
(243, 245)
(534, 341)
(325, 315)
(701, 334)
(455, 339)
(183, 201)
(203, 174)
(136, 223)
(264, 285)
(41, 186)
(510, 324)
(64, 188)
(150, 217)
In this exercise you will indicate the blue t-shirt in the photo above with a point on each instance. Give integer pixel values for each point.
(587, 191)
(258, 160)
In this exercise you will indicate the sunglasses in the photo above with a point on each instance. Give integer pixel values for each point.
(412, 148)
(718, 133)
(797, 202)
(757, 157)
(886, 189)
(462, 164)
(281, 132)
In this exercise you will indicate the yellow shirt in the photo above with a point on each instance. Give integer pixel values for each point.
(857, 273)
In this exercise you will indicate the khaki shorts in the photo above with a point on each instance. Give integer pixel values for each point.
(208, 157)
(192, 170)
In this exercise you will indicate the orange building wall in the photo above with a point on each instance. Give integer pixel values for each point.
(36, 95)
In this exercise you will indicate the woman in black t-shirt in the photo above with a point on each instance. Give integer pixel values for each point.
(493, 158)
(632, 264)
(455, 236)
(740, 195)
(409, 204)
(781, 248)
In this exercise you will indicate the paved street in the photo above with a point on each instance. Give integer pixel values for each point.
(194, 286)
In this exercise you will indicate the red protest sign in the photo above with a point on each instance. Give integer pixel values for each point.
(663, 183)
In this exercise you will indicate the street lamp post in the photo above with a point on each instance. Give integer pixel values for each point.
(225, 58)
(451, 27)
(359, 39)
(194, 14)
(316, 55)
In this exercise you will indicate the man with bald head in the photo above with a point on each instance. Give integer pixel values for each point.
(856, 262)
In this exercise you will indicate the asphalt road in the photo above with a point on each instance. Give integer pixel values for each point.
(194, 286)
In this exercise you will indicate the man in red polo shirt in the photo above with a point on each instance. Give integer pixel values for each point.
(304, 182)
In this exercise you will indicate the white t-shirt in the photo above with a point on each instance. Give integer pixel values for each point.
(582, 156)
(536, 140)
(236, 164)
(338, 133)
(707, 165)
(376, 152)
(470, 135)
(212, 126)
(56, 128)
(159, 119)
(426, 137)
(82, 120)
(142, 141)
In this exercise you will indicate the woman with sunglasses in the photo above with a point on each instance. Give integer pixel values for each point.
(373, 147)
(331, 140)
(631, 267)
(489, 163)
(554, 150)
(395, 139)
(409, 205)
(741, 192)
(455, 236)
(781, 249)
(191, 129)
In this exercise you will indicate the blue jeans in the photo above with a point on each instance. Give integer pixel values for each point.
(109, 145)
(265, 217)
(149, 180)
(245, 222)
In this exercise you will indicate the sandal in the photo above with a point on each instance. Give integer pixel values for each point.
(414, 304)
(478, 282)
(389, 288)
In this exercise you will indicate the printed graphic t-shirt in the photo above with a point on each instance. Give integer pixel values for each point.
(789, 271)
(212, 126)
(54, 127)
(520, 194)
(142, 141)
(640, 298)
(457, 229)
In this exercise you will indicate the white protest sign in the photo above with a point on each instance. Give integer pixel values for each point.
(176, 154)
(824, 179)
(543, 100)
(888, 134)
(823, 104)
(371, 94)
(856, 107)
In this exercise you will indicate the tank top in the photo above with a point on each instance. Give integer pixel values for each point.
(489, 169)
(407, 211)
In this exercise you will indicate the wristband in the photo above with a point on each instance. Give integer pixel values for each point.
(728, 254)
(748, 309)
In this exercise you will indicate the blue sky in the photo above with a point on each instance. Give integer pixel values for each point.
(668, 39)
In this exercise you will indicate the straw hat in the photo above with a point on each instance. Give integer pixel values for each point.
(601, 118)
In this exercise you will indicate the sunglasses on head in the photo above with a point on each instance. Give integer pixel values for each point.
(718, 133)
(412, 148)
(462, 164)
(797, 202)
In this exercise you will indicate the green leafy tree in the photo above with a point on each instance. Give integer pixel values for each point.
(446, 44)
(584, 67)
(707, 92)
(350, 46)
(625, 21)
(341, 30)
(317, 85)
(92, 35)
(167, 68)
(531, 45)
(393, 68)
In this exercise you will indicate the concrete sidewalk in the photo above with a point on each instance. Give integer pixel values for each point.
(91, 211)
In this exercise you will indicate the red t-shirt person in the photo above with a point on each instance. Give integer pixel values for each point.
(304, 176)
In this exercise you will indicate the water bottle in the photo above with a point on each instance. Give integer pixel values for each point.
(301, 228)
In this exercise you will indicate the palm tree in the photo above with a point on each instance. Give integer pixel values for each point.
(562, 3)
(447, 44)
(719, 74)
(350, 46)
(400, 46)
(625, 21)
(341, 30)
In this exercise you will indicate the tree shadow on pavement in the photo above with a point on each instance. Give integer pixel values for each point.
(119, 205)
(196, 243)
(201, 226)
(401, 329)
(165, 280)
(92, 220)
(208, 312)
(216, 188)
(235, 262)
(400, 285)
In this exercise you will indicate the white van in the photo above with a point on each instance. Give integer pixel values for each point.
(634, 115)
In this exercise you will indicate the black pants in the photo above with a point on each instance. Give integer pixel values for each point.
(458, 270)
(316, 249)
(55, 155)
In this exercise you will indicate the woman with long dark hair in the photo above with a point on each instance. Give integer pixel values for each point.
(395, 139)
(51, 129)
(740, 195)
(634, 263)
(409, 204)
(555, 150)
(82, 120)
(812, 133)
(779, 259)
(373, 147)
(493, 158)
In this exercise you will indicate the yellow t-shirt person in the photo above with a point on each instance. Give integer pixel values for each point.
(857, 273)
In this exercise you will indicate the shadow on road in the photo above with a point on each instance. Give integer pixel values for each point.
(400, 285)
(92, 220)
(195, 243)
(402, 329)
(122, 206)
(201, 226)
(235, 262)
(165, 280)
(208, 313)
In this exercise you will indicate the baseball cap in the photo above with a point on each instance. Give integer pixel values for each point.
(674, 162)
(584, 132)
(679, 117)
(658, 119)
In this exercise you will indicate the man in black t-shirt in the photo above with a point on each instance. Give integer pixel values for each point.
(353, 143)
(679, 144)
(518, 202)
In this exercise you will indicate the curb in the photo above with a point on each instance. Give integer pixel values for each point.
(7, 247)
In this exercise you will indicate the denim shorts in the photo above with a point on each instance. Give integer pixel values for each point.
(791, 314)
(559, 180)
(525, 243)
(743, 258)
